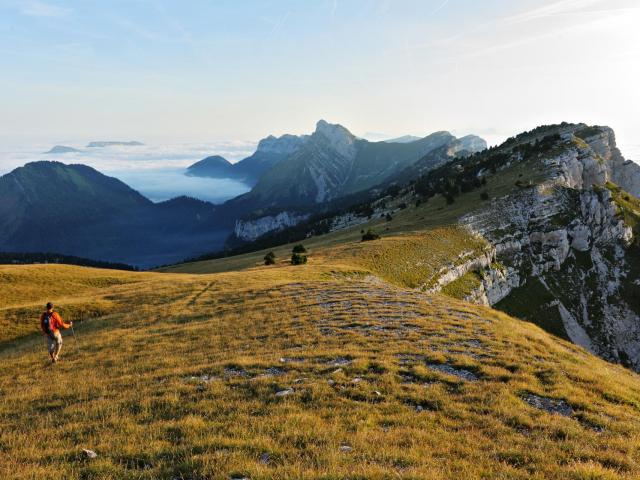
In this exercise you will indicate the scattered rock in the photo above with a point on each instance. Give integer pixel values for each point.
(345, 448)
(456, 372)
(340, 362)
(89, 453)
(356, 380)
(550, 405)
(406, 358)
(284, 393)
(204, 378)
(291, 359)
(270, 372)
(265, 458)
(235, 372)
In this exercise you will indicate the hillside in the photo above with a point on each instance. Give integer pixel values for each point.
(76, 210)
(376, 359)
(560, 235)
(214, 166)
(305, 372)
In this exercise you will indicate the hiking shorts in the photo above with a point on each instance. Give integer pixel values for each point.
(54, 341)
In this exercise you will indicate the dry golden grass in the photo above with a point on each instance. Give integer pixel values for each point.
(176, 375)
(181, 382)
(80, 293)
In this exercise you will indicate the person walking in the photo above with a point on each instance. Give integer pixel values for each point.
(51, 323)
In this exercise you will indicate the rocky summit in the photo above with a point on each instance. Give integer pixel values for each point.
(564, 249)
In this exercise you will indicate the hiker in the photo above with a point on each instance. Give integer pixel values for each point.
(51, 322)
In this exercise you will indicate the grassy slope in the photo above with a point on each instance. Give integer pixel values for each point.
(423, 219)
(179, 379)
(80, 293)
(133, 388)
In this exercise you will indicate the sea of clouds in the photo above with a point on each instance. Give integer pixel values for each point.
(155, 170)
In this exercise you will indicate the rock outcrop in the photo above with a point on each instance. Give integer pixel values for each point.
(250, 230)
(563, 252)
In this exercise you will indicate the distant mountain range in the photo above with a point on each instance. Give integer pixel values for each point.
(328, 164)
(331, 164)
(404, 139)
(60, 149)
(270, 151)
(75, 210)
(114, 144)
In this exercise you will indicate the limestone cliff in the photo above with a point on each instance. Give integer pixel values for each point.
(565, 255)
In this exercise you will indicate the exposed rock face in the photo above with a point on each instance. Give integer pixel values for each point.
(333, 163)
(562, 250)
(339, 139)
(250, 230)
(470, 143)
(284, 145)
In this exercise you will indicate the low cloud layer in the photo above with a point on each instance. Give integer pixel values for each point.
(154, 170)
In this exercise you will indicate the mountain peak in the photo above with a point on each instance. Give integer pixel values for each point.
(341, 139)
(286, 144)
(214, 166)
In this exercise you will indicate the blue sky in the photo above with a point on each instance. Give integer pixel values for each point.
(239, 70)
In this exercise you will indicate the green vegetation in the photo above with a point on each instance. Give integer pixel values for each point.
(11, 258)
(299, 249)
(464, 286)
(370, 235)
(270, 258)
(533, 302)
(298, 259)
(628, 207)
(588, 132)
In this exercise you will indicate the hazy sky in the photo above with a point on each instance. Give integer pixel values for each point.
(237, 70)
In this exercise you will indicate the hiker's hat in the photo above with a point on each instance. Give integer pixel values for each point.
(49, 305)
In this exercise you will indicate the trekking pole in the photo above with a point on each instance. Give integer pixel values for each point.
(75, 338)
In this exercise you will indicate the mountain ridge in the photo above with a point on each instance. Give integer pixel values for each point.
(76, 210)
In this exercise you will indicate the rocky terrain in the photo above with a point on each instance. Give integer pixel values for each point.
(332, 164)
(563, 254)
